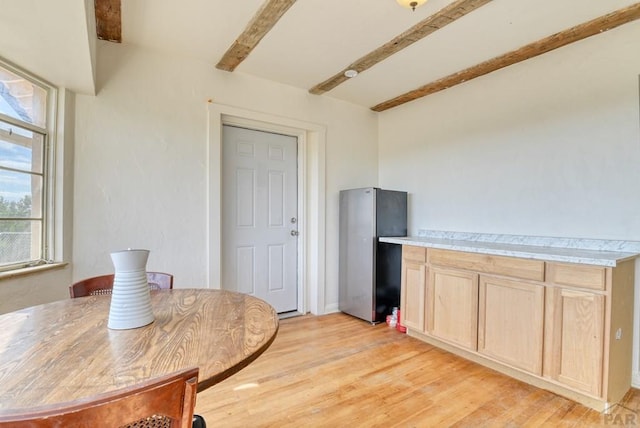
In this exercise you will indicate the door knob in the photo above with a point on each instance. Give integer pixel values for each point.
(295, 233)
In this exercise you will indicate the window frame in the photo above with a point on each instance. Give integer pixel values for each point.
(48, 132)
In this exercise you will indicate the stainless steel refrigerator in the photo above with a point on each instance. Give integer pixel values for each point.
(369, 270)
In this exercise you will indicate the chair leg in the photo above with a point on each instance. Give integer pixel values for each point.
(198, 422)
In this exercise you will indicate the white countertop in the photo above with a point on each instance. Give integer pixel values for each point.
(501, 246)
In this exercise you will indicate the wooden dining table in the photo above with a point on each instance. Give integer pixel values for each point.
(63, 351)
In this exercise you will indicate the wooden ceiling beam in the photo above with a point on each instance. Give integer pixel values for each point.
(433, 23)
(547, 44)
(262, 22)
(108, 20)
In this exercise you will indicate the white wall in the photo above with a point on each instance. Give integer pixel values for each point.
(550, 146)
(34, 289)
(141, 153)
(53, 40)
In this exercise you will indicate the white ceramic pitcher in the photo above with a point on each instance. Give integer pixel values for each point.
(130, 299)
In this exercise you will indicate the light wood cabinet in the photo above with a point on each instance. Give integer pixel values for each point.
(412, 287)
(582, 276)
(560, 326)
(452, 306)
(485, 263)
(575, 339)
(511, 320)
(588, 328)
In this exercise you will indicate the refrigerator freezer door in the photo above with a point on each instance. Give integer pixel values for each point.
(391, 213)
(357, 249)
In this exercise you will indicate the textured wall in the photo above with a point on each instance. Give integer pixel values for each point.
(141, 158)
(34, 289)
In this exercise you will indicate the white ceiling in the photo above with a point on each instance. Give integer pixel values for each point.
(314, 40)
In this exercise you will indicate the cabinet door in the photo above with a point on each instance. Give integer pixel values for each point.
(510, 322)
(452, 306)
(412, 293)
(574, 339)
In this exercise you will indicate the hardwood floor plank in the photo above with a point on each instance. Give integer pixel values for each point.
(505, 410)
(523, 407)
(338, 371)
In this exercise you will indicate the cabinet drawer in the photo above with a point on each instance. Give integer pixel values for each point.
(416, 254)
(485, 263)
(592, 277)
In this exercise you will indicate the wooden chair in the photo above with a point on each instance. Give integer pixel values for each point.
(103, 284)
(167, 401)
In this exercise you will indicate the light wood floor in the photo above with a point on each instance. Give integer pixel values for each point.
(338, 371)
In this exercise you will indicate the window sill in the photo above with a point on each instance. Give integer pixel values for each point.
(32, 270)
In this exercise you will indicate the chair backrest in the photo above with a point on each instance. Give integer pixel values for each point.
(167, 401)
(103, 284)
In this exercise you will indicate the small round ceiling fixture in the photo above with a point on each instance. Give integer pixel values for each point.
(350, 73)
(411, 4)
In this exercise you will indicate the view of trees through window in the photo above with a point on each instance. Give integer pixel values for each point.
(19, 208)
(15, 236)
(23, 169)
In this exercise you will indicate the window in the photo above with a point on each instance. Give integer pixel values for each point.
(25, 169)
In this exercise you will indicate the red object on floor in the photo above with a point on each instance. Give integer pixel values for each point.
(400, 327)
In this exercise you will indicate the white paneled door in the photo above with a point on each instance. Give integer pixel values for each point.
(259, 215)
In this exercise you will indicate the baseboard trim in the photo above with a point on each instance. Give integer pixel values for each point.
(635, 380)
(332, 308)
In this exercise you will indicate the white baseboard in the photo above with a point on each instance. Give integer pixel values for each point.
(635, 380)
(332, 308)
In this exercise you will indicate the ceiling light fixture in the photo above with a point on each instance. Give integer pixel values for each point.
(411, 4)
(350, 73)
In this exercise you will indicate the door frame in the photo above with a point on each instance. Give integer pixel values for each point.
(311, 196)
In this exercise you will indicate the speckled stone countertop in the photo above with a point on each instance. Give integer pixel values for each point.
(570, 250)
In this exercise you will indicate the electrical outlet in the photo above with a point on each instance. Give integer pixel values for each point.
(618, 334)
